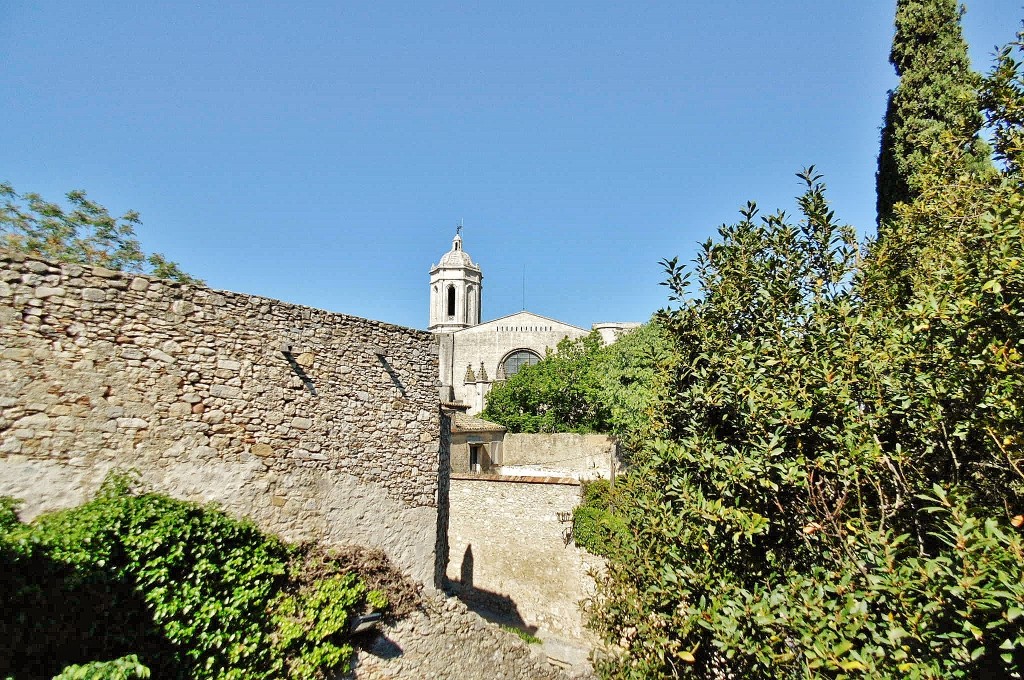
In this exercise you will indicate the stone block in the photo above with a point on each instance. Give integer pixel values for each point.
(179, 409)
(161, 356)
(214, 417)
(262, 450)
(43, 292)
(302, 423)
(94, 294)
(16, 354)
(34, 421)
(225, 392)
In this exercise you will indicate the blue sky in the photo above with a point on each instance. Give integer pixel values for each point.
(323, 152)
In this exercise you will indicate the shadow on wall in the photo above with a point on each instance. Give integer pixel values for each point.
(297, 369)
(492, 606)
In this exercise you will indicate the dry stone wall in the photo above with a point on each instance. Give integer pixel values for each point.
(316, 425)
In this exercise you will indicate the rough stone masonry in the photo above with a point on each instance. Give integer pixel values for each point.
(314, 424)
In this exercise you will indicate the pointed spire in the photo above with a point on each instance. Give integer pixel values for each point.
(501, 377)
(482, 376)
(470, 377)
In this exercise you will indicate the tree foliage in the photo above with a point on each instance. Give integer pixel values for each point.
(557, 394)
(935, 103)
(85, 233)
(842, 484)
(586, 386)
(166, 585)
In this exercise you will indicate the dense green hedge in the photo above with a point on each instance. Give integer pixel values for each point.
(189, 590)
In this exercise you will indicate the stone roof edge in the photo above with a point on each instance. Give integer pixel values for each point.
(546, 318)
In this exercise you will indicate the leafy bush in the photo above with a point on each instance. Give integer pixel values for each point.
(191, 591)
(842, 487)
(125, 668)
(595, 527)
(8, 513)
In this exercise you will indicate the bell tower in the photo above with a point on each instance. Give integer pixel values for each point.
(455, 286)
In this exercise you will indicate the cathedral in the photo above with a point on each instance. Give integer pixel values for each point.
(475, 355)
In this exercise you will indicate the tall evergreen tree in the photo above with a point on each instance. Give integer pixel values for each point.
(936, 95)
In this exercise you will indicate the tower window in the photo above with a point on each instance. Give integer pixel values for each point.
(451, 300)
(516, 360)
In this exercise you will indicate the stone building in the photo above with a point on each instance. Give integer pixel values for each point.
(475, 355)
(475, 443)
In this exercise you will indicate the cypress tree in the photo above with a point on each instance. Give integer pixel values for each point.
(937, 94)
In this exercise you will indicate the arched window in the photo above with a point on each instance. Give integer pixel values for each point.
(517, 359)
(451, 300)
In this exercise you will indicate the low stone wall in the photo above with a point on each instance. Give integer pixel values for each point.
(510, 552)
(314, 424)
(446, 641)
(582, 456)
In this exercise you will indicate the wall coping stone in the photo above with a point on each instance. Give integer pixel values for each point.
(514, 479)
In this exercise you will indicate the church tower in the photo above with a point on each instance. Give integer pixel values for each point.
(455, 284)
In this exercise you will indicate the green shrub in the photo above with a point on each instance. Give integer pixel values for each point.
(842, 490)
(191, 591)
(9, 513)
(125, 668)
(595, 525)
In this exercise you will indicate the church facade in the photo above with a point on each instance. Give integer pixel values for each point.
(474, 355)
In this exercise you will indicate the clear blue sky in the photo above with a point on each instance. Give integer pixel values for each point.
(323, 152)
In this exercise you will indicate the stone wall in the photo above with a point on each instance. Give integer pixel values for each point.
(314, 424)
(510, 553)
(582, 456)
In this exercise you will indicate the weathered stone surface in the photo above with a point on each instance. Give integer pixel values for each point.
(46, 291)
(262, 450)
(225, 392)
(189, 386)
(106, 273)
(302, 423)
(179, 409)
(161, 356)
(94, 294)
(445, 641)
(508, 548)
